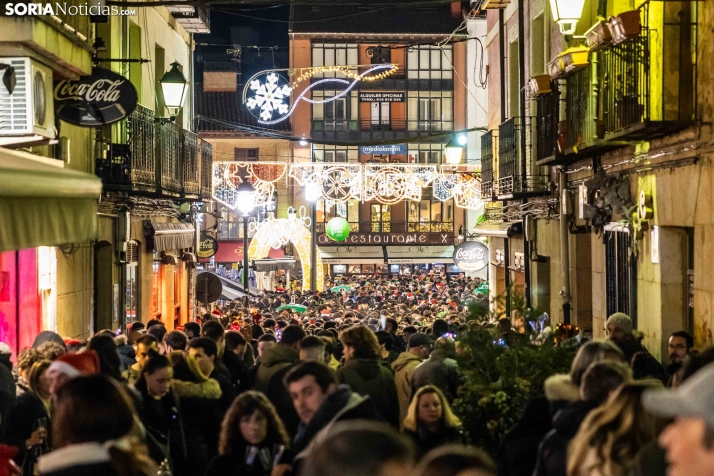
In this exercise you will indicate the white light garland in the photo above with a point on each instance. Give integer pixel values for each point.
(227, 176)
(393, 183)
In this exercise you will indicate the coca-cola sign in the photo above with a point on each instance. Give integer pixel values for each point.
(471, 256)
(207, 246)
(102, 98)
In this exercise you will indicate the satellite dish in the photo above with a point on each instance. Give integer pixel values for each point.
(208, 287)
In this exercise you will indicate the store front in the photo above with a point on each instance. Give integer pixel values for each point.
(42, 205)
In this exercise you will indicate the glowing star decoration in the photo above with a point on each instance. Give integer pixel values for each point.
(269, 96)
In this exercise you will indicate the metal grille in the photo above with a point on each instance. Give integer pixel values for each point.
(487, 148)
(206, 168)
(547, 124)
(140, 130)
(581, 125)
(190, 162)
(511, 158)
(627, 90)
(169, 150)
(620, 274)
(132, 252)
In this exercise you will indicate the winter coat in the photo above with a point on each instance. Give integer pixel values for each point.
(246, 461)
(343, 405)
(398, 343)
(426, 440)
(8, 396)
(370, 379)
(274, 365)
(238, 370)
(560, 390)
(403, 370)
(131, 375)
(650, 461)
(86, 459)
(437, 370)
(553, 452)
(21, 422)
(630, 346)
(127, 354)
(518, 451)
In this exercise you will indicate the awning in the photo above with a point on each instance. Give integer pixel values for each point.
(263, 265)
(501, 230)
(231, 251)
(169, 236)
(420, 254)
(228, 291)
(352, 254)
(44, 204)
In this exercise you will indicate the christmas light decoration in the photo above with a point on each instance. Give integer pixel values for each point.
(336, 182)
(460, 182)
(227, 176)
(277, 232)
(392, 183)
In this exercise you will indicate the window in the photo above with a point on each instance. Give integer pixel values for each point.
(538, 42)
(513, 89)
(430, 110)
(156, 289)
(333, 54)
(425, 153)
(430, 216)
(230, 226)
(328, 153)
(245, 155)
(381, 218)
(620, 275)
(379, 113)
(334, 115)
(178, 286)
(429, 62)
(379, 54)
(132, 281)
(349, 211)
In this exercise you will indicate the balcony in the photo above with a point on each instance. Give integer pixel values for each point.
(546, 123)
(155, 158)
(192, 19)
(489, 145)
(516, 177)
(382, 125)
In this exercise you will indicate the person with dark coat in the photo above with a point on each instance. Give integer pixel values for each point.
(518, 451)
(252, 440)
(365, 375)
(8, 391)
(127, 354)
(619, 331)
(430, 421)
(440, 369)
(205, 351)
(233, 359)
(391, 326)
(321, 402)
(275, 363)
(598, 382)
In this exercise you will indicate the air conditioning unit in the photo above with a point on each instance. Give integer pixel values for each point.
(28, 112)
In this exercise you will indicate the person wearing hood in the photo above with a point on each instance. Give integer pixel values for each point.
(598, 383)
(365, 375)
(274, 365)
(47, 336)
(321, 402)
(418, 350)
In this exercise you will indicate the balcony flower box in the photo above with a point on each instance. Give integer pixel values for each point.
(599, 36)
(574, 58)
(625, 26)
(539, 85)
(555, 69)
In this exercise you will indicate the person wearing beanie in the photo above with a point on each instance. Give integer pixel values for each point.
(619, 332)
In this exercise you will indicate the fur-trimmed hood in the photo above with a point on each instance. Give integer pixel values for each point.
(560, 387)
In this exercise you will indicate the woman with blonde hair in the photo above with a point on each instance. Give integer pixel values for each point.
(612, 434)
(430, 421)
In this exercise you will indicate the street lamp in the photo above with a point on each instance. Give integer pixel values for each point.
(454, 151)
(173, 85)
(312, 194)
(566, 13)
(246, 203)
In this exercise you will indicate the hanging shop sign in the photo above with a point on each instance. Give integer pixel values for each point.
(381, 96)
(102, 98)
(391, 239)
(471, 256)
(207, 246)
(383, 149)
(337, 229)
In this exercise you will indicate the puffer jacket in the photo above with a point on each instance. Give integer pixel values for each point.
(403, 371)
(274, 359)
(369, 378)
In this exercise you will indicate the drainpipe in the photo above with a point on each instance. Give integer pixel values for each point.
(502, 62)
(564, 248)
(524, 157)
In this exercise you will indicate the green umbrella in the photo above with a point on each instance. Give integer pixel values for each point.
(293, 307)
(342, 287)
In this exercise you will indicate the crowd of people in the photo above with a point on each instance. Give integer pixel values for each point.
(356, 381)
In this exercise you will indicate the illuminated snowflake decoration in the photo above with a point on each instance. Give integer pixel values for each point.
(270, 97)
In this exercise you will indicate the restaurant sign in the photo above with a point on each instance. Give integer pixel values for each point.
(471, 256)
(207, 246)
(391, 239)
(102, 98)
(381, 96)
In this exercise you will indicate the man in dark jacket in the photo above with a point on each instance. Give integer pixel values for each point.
(619, 331)
(599, 381)
(440, 369)
(320, 403)
(391, 327)
(274, 364)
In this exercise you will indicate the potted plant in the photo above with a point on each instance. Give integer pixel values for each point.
(539, 85)
(574, 58)
(599, 36)
(555, 69)
(624, 26)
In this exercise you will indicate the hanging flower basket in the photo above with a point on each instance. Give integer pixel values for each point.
(624, 26)
(598, 37)
(539, 85)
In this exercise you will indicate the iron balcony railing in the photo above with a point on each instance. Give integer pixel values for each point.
(395, 227)
(516, 172)
(150, 157)
(383, 125)
(581, 115)
(488, 142)
(547, 117)
(626, 74)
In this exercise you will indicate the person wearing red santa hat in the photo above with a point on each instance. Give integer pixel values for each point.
(69, 366)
